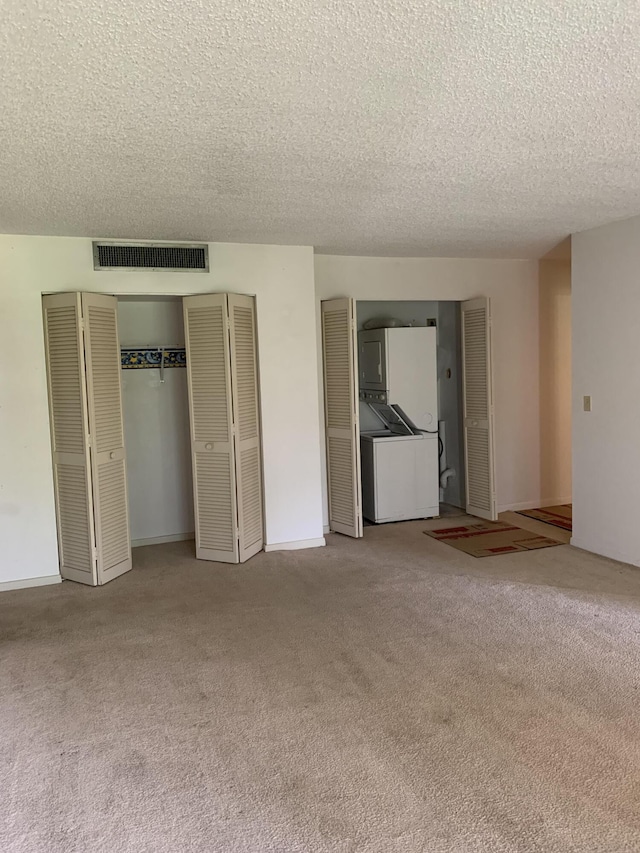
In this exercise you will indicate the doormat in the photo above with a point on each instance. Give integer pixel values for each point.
(490, 538)
(559, 516)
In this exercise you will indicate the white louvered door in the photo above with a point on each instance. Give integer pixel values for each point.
(244, 389)
(108, 466)
(478, 408)
(70, 436)
(340, 353)
(211, 418)
(83, 373)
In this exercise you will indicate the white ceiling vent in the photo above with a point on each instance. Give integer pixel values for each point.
(179, 257)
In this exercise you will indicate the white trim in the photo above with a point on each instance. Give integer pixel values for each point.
(539, 504)
(615, 556)
(160, 540)
(326, 529)
(297, 545)
(29, 582)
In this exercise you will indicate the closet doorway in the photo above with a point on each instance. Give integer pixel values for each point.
(177, 403)
(155, 409)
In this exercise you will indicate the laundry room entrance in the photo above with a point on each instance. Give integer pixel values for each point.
(408, 410)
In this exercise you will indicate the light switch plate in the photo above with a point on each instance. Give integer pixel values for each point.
(586, 403)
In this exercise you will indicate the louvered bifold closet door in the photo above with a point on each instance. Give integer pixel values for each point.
(70, 436)
(108, 465)
(339, 347)
(478, 408)
(244, 389)
(211, 419)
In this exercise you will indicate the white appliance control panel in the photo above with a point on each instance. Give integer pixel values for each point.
(374, 397)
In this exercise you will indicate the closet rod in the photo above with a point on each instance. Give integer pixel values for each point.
(149, 349)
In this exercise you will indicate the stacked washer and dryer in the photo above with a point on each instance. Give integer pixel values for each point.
(399, 423)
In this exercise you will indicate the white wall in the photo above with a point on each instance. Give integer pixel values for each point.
(281, 277)
(513, 288)
(156, 424)
(150, 320)
(605, 296)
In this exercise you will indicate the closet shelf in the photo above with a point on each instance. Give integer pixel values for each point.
(136, 358)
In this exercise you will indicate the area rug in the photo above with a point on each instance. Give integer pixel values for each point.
(490, 538)
(559, 516)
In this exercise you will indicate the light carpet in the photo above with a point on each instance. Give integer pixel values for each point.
(390, 695)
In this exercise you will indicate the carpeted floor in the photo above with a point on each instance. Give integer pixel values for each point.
(391, 695)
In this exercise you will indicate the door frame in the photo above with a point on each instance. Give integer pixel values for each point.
(459, 301)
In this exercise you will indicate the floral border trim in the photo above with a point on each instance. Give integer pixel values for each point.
(137, 359)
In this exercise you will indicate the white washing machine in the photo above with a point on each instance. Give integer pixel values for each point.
(399, 470)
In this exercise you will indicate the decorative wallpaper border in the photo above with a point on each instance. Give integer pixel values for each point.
(143, 358)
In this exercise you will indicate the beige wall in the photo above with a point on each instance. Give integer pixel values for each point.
(555, 381)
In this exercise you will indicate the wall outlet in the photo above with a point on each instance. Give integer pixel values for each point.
(586, 403)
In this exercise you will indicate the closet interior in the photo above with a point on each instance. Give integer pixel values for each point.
(155, 409)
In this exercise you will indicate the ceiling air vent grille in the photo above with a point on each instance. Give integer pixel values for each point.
(151, 256)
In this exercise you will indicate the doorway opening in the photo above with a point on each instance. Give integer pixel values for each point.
(423, 475)
(554, 281)
(384, 369)
(155, 407)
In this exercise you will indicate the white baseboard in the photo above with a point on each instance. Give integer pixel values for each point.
(299, 544)
(160, 540)
(28, 582)
(611, 554)
(326, 529)
(534, 504)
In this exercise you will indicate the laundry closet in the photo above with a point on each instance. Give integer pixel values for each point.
(155, 427)
(408, 410)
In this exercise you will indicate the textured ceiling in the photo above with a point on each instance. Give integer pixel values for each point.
(401, 127)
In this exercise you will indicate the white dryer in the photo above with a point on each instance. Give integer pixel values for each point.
(399, 366)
